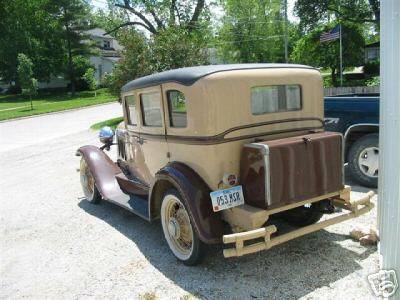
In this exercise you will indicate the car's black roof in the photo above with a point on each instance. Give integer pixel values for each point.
(188, 76)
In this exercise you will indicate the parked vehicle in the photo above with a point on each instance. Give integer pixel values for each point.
(3, 90)
(214, 151)
(357, 118)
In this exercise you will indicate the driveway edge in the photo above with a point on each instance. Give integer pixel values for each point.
(58, 112)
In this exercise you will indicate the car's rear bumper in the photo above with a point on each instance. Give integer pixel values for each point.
(355, 208)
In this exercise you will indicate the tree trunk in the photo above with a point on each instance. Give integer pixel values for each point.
(333, 76)
(30, 98)
(197, 11)
(375, 9)
(172, 8)
(71, 71)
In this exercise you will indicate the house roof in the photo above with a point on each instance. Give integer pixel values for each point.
(98, 32)
(188, 76)
(112, 58)
(372, 45)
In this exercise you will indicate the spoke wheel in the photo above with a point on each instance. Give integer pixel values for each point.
(178, 230)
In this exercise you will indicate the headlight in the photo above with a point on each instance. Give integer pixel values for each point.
(106, 135)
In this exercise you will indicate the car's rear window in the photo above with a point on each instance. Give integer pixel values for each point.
(274, 98)
(151, 109)
(177, 109)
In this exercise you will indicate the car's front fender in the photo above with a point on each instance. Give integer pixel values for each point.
(103, 170)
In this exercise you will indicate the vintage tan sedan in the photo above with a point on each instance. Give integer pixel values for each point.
(214, 151)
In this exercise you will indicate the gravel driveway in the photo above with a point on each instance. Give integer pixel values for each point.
(54, 244)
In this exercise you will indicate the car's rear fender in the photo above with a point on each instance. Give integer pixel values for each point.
(195, 194)
(103, 170)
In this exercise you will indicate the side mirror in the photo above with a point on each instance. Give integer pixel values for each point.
(106, 135)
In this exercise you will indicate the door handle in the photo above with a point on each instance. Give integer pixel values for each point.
(139, 140)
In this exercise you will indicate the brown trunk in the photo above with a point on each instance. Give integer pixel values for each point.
(290, 170)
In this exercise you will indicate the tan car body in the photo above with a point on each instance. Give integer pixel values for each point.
(215, 104)
(285, 153)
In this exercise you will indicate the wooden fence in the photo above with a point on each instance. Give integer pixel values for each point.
(350, 90)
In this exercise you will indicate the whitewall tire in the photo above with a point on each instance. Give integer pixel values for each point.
(178, 230)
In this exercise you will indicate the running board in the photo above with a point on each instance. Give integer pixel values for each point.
(132, 185)
(134, 203)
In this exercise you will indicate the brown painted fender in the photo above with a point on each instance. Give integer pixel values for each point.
(103, 170)
(195, 194)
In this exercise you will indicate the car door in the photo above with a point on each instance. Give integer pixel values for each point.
(130, 152)
(152, 140)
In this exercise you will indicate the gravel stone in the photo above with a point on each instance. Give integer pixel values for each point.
(54, 244)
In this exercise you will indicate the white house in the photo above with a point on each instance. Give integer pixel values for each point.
(371, 52)
(103, 63)
(109, 52)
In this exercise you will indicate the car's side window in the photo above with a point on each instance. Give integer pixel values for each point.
(151, 109)
(177, 109)
(274, 98)
(130, 104)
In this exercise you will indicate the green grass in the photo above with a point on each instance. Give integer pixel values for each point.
(15, 106)
(113, 123)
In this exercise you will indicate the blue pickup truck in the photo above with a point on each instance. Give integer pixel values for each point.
(356, 116)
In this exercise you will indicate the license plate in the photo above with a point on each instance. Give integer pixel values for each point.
(223, 199)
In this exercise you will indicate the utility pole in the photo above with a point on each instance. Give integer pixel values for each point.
(341, 53)
(389, 139)
(286, 30)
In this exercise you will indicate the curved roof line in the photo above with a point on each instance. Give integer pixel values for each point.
(188, 76)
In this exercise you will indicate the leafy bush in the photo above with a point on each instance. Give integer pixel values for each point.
(327, 81)
(309, 50)
(90, 79)
(374, 81)
(170, 49)
(81, 65)
(29, 84)
(371, 67)
(134, 62)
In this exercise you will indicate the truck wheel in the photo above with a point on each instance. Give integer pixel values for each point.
(363, 160)
(90, 190)
(304, 215)
(178, 230)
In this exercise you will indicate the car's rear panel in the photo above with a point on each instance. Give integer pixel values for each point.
(279, 172)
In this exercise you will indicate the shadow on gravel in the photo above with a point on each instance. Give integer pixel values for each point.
(291, 270)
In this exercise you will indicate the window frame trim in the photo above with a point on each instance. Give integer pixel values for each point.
(142, 115)
(167, 93)
(128, 113)
(278, 111)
